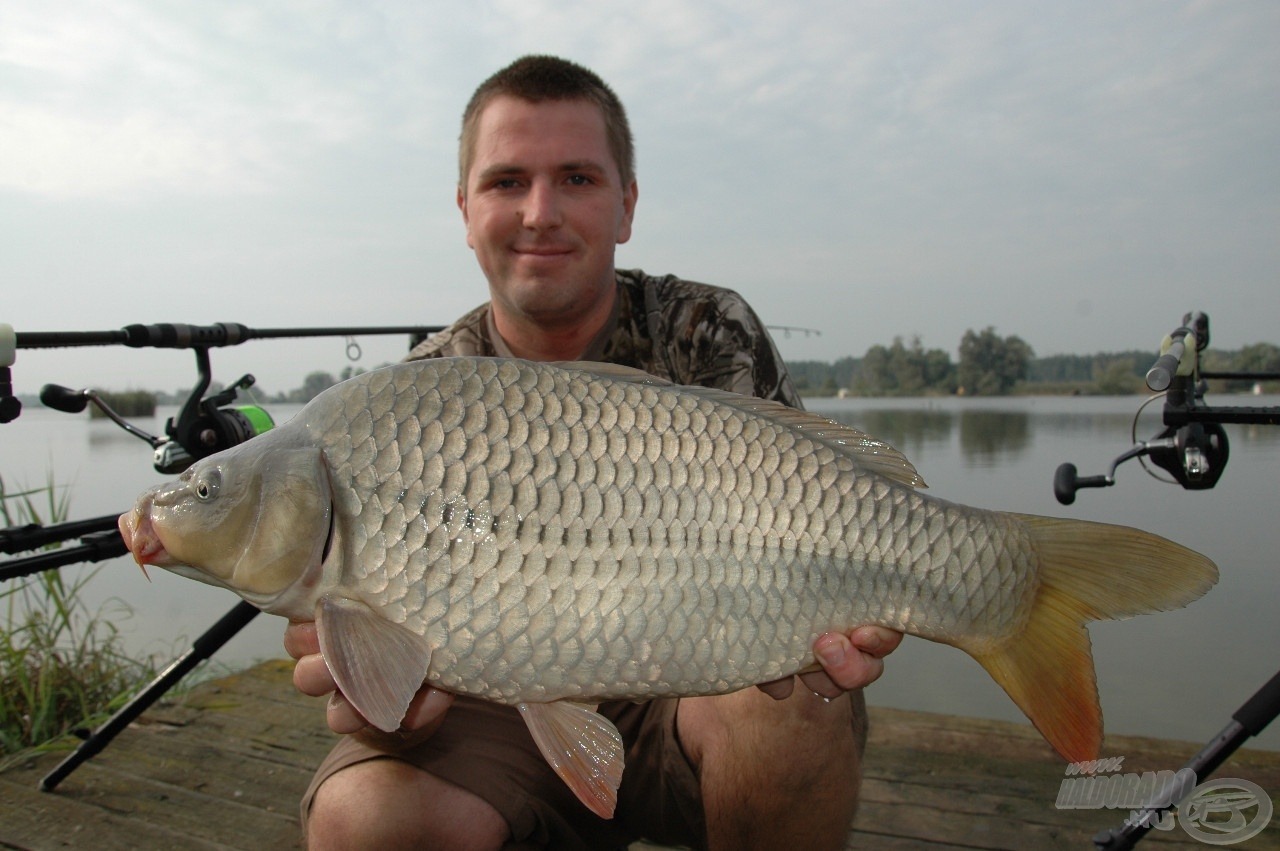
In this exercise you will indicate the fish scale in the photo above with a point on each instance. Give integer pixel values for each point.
(574, 564)
(548, 535)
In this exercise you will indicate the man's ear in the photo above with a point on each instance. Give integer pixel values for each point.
(466, 219)
(630, 195)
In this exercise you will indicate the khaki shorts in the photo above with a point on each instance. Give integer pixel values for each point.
(487, 750)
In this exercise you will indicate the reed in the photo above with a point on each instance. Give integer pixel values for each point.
(62, 667)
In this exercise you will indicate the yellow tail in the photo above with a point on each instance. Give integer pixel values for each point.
(1089, 571)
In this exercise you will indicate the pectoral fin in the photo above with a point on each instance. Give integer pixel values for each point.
(583, 747)
(378, 665)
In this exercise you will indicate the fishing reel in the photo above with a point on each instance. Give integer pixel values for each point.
(1193, 449)
(1195, 455)
(1193, 446)
(204, 426)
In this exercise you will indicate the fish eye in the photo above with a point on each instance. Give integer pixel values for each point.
(206, 486)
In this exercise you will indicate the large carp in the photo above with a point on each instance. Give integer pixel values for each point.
(550, 536)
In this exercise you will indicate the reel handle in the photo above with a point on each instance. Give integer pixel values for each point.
(1066, 482)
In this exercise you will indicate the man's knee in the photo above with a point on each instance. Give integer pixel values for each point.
(780, 771)
(858, 718)
(810, 733)
(385, 803)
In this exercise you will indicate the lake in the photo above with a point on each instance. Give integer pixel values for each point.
(1176, 674)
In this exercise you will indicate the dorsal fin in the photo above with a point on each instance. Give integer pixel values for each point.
(870, 453)
(615, 371)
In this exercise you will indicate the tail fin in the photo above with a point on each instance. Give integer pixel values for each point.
(1089, 571)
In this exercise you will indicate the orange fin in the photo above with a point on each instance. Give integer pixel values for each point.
(1048, 671)
(1088, 571)
(583, 747)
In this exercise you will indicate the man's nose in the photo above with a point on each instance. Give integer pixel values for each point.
(542, 206)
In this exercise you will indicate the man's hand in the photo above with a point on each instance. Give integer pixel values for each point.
(311, 676)
(849, 662)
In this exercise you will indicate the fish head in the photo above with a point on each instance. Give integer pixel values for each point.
(255, 519)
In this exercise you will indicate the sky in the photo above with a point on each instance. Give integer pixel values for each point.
(1077, 174)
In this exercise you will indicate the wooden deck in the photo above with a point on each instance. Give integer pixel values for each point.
(223, 768)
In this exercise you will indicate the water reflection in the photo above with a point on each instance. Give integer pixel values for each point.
(1260, 436)
(985, 436)
(991, 429)
(106, 436)
(907, 431)
(991, 437)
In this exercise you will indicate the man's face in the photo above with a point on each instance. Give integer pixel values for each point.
(544, 207)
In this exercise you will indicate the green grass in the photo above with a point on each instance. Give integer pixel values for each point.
(62, 667)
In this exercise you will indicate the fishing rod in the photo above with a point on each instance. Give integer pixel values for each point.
(166, 335)
(206, 424)
(99, 540)
(1193, 449)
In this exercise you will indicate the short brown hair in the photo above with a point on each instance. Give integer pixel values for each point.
(548, 78)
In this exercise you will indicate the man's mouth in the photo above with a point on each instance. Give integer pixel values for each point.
(544, 251)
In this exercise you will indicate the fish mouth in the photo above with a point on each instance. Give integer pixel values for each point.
(142, 539)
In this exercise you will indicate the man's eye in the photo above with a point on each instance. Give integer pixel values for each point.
(580, 180)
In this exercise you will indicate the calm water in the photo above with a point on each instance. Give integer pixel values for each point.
(1178, 674)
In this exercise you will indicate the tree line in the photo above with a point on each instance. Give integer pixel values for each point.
(992, 365)
(989, 365)
(313, 385)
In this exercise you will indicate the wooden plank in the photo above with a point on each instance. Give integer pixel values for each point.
(209, 768)
(928, 776)
(936, 817)
(224, 767)
(107, 809)
(34, 820)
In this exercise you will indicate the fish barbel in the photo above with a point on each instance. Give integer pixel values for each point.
(551, 536)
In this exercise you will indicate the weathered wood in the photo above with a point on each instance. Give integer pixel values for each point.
(992, 784)
(223, 767)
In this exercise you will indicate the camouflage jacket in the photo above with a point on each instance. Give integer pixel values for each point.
(686, 332)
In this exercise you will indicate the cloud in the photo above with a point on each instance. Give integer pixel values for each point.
(838, 162)
(121, 98)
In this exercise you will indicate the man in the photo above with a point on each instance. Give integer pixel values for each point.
(547, 190)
